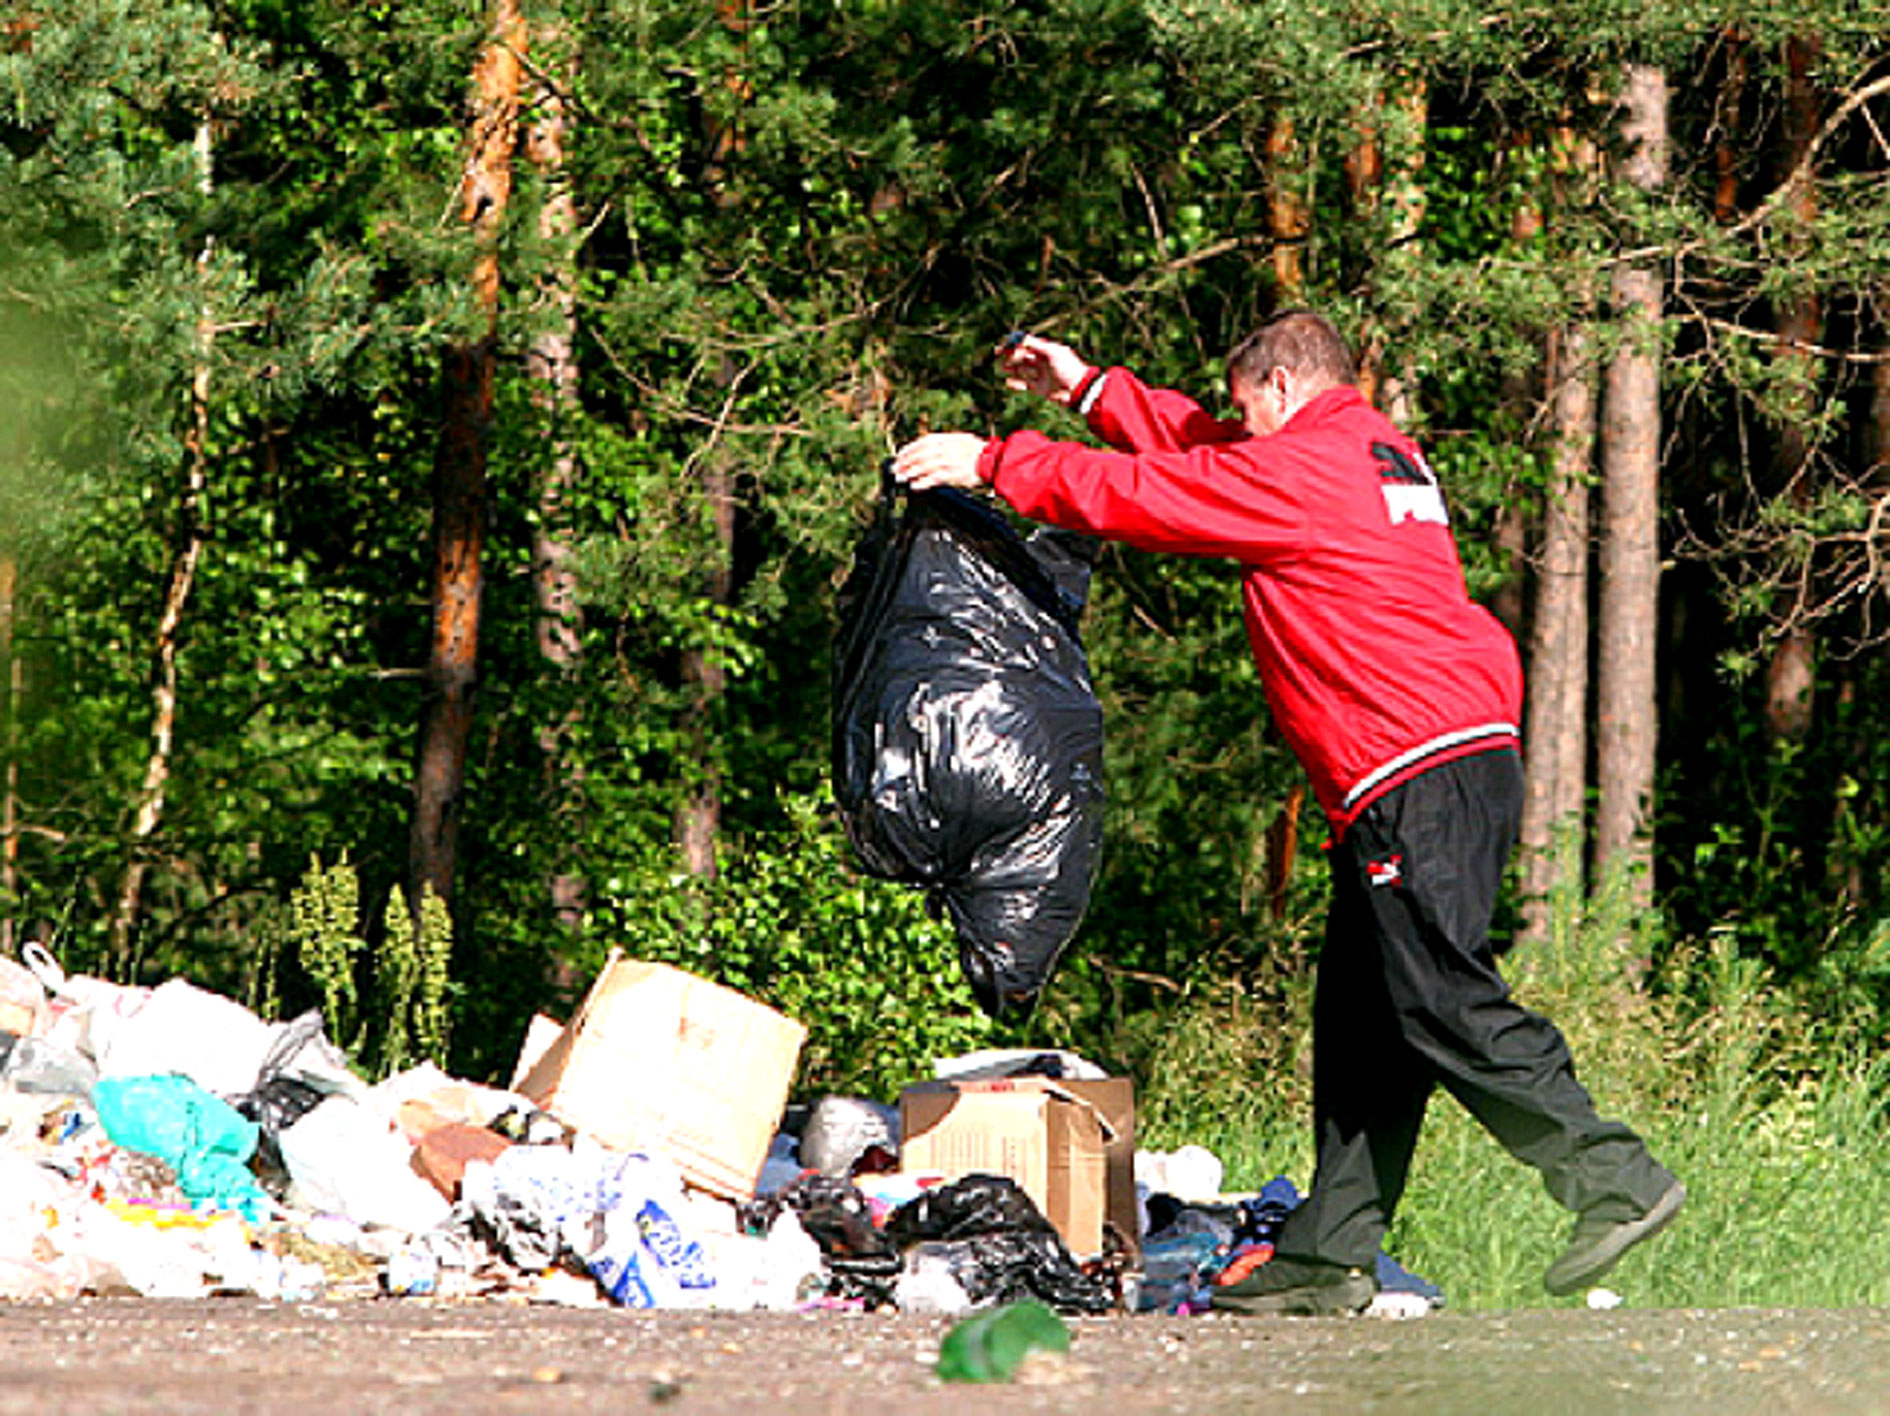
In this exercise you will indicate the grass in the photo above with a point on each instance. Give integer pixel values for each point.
(1780, 1139)
(1784, 1196)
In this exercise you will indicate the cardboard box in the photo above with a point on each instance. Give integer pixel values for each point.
(540, 1033)
(1114, 1097)
(660, 1061)
(1036, 1131)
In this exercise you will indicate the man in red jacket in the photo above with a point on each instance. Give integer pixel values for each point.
(1401, 697)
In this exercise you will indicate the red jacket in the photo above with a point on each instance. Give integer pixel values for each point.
(1375, 661)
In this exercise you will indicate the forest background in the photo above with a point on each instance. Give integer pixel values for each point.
(432, 435)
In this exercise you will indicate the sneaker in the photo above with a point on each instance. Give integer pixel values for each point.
(1596, 1244)
(1300, 1287)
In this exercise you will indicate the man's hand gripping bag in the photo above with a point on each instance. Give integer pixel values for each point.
(967, 739)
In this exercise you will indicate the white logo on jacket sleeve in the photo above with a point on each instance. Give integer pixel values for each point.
(1409, 485)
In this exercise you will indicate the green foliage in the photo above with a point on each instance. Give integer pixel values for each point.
(385, 1003)
(411, 972)
(1231, 1073)
(1784, 849)
(323, 935)
(1779, 1142)
(799, 235)
(787, 921)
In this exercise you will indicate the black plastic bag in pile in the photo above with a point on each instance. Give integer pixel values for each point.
(861, 1262)
(967, 739)
(995, 1243)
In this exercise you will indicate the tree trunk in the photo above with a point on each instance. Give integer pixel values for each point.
(1879, 433)
(1556, 733)
(1511, 535)
(1630, 543)
(1850, 880)
(1288, 223)
(1728, 151)
(1793, 665)
(551, 366)
(1519, 394)
(1397, 394)
(697, 822)
(699, 818)
(186, 552)
(1387, 168)
(1287, 219)
(459, 475)
(1282, 847)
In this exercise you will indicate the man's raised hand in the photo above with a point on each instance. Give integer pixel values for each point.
(1033, 364)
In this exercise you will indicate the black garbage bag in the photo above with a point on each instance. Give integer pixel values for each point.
(276, 1105)
(967, 739)
(1005, 1268)
(967, 1207)
(833, 1212)
(861, 1261)
(996, 1244)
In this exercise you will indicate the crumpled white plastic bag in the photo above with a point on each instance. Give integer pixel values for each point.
(22, 999)
(82, 1011)
(178, 1027)
(347, 1157)
(215, 1041)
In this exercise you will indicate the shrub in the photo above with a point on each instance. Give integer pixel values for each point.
(788, 921)
(385, 1005)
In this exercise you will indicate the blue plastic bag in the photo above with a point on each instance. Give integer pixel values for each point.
(198, 1134)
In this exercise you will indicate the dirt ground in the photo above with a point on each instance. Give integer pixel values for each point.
(417, 1356)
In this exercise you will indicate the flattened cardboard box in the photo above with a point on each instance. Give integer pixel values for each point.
(1041, 1133)
(661, 1061)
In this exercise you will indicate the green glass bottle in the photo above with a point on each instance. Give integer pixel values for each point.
(990, 1346)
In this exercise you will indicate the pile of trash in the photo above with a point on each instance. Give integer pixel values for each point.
(167, 1142)
(1194, 1246)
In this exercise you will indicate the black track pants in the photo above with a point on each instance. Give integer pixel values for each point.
(1408, 998)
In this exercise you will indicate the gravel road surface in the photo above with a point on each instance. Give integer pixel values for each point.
(417, 1356)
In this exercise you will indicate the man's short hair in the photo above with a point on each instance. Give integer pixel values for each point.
(1303, 342)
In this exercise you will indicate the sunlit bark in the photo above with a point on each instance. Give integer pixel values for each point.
(459, 473)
